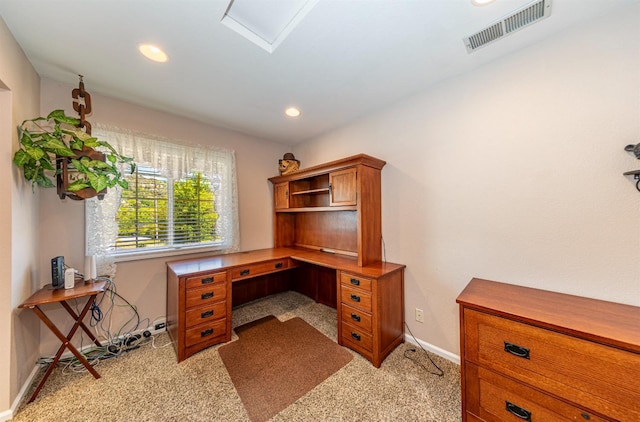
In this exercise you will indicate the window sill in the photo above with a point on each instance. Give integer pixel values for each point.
(187, 250)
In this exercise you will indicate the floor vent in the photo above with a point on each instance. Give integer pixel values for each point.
(525, 16)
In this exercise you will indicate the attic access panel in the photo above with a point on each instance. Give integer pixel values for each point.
(266, 23)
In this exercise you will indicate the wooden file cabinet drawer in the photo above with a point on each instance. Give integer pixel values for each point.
(359, 339)
(576, 369)
(253, 270)
(357, 318)
(206, 313)
(205, 280)
(204, 295)
(357, 298)
(206, 332)
(355, 281)
(498, 398)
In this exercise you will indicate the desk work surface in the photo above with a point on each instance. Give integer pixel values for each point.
(323, 259)
(48, 294)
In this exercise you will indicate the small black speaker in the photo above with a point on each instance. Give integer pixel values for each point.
(57, 272)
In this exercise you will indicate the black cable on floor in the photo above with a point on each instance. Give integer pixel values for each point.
(439, 373)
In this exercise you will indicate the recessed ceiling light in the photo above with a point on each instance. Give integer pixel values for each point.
(481, 2)
(292, 112)
(152, 52)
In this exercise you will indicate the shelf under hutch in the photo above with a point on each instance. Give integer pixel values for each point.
(327, 245)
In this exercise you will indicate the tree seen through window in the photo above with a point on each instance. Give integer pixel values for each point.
(155, 212)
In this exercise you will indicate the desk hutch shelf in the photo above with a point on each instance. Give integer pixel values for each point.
(332, 207)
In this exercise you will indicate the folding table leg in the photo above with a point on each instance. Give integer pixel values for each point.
(65, 344)
(77, 318)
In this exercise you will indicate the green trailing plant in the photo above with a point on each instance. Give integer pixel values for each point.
(43, 140)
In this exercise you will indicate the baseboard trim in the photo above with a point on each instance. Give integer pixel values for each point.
(435, 349)
(10, 413)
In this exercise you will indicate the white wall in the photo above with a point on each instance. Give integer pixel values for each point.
(143, 283)
(19, 329)
(512, 173)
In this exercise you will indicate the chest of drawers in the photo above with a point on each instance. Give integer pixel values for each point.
(371, 313)
(199, 311)
(534, 355)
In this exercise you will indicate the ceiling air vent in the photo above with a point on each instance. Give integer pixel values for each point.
(525, 16)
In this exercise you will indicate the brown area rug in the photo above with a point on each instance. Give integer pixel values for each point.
(274, 363)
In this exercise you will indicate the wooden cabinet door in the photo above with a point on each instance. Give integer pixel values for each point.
(342, 185)
(281, 193)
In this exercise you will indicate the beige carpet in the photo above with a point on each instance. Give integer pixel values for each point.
(149, 385)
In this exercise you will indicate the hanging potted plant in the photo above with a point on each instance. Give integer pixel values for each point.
(83, 165)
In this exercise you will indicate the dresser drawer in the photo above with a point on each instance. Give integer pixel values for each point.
(357, 318)
(493, 397)
(355, 281)
(206, 332)
(357, 298)
(601, 378)
(357, 337)
(206, 313)
(204, 295)
(205, 280)
(253, 270)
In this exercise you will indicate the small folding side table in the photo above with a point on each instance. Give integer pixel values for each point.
(49, 295)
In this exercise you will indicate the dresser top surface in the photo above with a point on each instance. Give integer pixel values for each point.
(609, 323)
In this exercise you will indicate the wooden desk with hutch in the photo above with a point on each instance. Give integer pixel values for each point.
(327, 245)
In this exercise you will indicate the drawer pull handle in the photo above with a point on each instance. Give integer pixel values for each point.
(585, 416)
(356, 336)
(206, 314)
(244, 272)
(514, 349)
(206, 332)
(355, 298)
(355, 281)
(278, 264)
(523, 414)
(207, 295)
(207, 280)
(355, 317)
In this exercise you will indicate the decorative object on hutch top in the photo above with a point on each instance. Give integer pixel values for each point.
(81, 171)
(635, 150)
(535, 355)
(288, 164)
(328, 246)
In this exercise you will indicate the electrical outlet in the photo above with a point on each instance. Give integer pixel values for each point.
(419, 315)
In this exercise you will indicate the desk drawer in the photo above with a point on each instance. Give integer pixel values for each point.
(205, 332)
(357, 318)
(204, 295)
(355, 281)
(206, 313)
(493, 397)
(357, 298)
(357, 337)
(253, 270)
(205, 280)
(599, 377)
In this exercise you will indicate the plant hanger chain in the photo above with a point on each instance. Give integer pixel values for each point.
(82, 104)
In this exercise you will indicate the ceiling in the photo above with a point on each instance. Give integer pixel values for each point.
(344, 59)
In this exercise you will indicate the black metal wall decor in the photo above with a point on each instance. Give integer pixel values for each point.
(635, 150)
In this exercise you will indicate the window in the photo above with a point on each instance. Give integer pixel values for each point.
(157, 212)
(180, 198)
